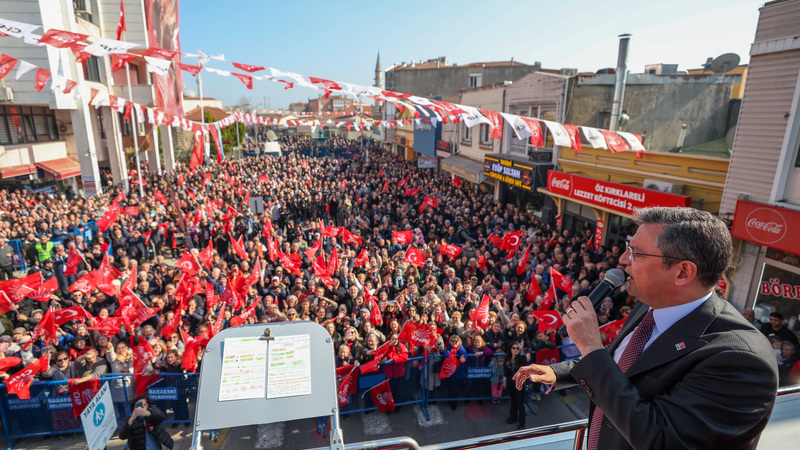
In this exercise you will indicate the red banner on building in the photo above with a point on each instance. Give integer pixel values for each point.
(163, 21)
(766, 225)
(598, 234)
(615, 196)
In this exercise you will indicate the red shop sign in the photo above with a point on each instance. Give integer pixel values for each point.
(615, 196)
(766, 225)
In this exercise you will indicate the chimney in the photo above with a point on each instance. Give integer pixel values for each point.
(621, 79)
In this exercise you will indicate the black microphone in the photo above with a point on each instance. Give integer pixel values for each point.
(614, 278)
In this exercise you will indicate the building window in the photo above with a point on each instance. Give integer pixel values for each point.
(27, 124)
(523, 147)
(485, 131)
(91, 69)
(125, 125)
(83, 9)
(466, 133)
(604, 119)
(475, 80)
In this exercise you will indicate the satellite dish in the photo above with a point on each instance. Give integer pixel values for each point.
(271, 136)
(724, 63)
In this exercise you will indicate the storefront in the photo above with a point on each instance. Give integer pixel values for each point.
(775, 284)
(604, 208)
(518, 177)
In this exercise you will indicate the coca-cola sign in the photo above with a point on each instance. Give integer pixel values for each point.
(766, 225)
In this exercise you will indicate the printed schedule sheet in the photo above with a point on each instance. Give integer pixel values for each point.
(289, 366)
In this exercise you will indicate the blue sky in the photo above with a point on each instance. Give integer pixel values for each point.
(340, 40)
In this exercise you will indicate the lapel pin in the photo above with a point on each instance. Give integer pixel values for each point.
(680, 346)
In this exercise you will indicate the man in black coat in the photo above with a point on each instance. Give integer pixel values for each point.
(142, 429)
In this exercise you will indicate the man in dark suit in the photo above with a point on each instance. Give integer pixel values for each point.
(687, 370)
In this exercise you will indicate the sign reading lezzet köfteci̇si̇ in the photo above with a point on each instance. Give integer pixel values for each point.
(615, 196)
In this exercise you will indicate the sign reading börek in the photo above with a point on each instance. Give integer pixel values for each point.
(618, 197)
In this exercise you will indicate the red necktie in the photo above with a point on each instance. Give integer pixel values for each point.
(635, 346)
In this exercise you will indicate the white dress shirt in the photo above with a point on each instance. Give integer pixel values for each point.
(664, 318)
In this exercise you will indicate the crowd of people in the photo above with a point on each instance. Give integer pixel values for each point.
(325, 244)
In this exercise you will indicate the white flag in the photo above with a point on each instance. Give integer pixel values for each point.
(473, 116)
(595, 138)
(33, 39)
(280, 74)
(521, 129)
(104, 46)
(223, 73)
(16, 29)
(157, 65)
(559, 133)
(22, 68)
(633, 141)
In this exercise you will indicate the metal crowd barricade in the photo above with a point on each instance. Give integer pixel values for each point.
(48, 411)
(88, 231)
(404, 381)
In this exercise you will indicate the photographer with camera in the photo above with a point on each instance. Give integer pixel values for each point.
(142, 429)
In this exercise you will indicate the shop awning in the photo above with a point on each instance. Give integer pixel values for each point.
(466, 168)
(61, 168)
(15, 171)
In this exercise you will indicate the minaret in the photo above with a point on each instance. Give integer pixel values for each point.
(379, 73)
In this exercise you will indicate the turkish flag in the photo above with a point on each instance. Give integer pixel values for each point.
(118, 61)
(73, 260)
(418, 334)
(511, 241)
(429, 201)
(403, 237)
(120, 28)
(549, 297)
(85, 284)
(548, 320)
(496, 126)
(560, 281)
(533, 291)
(612, 329)
(480, 315)
(382, 397)
(197, 151)
(188, 264)
(415, 257)
(64, 315)
(44, 291)
(450, 365)
(6, 64)
(496, 240)
(361, 259)
(45, 328)
(547, 356)
(20, 382)
(450, 250)
(523, 262)
(537, 139)
(83, 393)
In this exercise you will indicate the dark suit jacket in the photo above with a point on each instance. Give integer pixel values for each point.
(709, 381)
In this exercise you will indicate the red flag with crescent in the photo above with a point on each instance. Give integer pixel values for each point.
(612, 329)
(511, 241)
(64, 315)
(415, 257)
(547, 356)
(548, 320)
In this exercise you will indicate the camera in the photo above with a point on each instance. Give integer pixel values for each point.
(140, 404)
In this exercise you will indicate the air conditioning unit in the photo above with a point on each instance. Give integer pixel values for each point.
(6, 94)
(663, 186)
(65, 128)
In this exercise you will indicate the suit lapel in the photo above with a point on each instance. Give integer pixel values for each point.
(679, 340)
(635, 316)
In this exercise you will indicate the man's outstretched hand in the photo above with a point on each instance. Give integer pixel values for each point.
(535, 373)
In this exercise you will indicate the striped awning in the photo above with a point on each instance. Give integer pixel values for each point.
(61, 168)
(15, 171)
